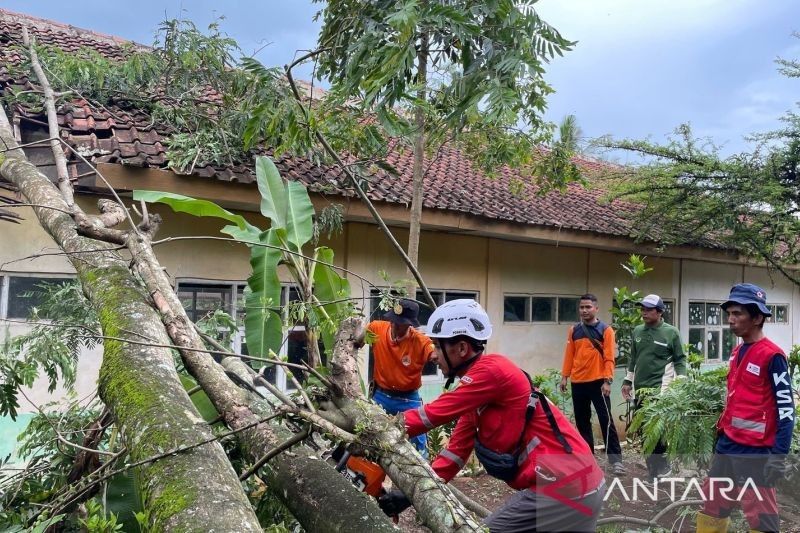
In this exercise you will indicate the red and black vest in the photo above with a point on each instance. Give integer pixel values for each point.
(750, 417)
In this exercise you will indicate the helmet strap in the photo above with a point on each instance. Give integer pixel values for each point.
(453, 374)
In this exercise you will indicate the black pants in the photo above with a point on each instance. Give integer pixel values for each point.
(657, 462)
(583, 396)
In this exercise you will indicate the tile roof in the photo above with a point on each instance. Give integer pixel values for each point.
(114, 135)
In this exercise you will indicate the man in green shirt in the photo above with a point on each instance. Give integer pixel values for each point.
(656, 357)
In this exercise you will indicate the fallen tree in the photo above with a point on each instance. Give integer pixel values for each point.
(137, 382)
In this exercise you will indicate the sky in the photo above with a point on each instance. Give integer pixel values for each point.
(640, 68)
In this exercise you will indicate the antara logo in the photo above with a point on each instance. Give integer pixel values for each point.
(722, 486)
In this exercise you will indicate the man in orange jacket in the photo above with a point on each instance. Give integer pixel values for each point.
(516, 433)
(589, 363)
(401, 353)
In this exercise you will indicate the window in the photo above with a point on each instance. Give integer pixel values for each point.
(200, 299)
(669, 312)
(431, 371)
(780, 314)
(23, 293)
(709, 333)
(530, 308)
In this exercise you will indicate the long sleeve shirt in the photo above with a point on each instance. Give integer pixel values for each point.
(583, 362)
(654, 348)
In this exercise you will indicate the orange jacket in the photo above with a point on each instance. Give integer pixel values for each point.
(398, 365)
(582, 361)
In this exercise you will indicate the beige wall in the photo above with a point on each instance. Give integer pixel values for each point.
(491, 266)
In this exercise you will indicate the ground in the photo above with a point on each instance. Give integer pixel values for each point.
(491, 493)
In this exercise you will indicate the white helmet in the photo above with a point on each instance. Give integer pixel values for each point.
(459, 317)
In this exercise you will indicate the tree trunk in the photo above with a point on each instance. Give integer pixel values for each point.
(307, 485)
(417, 190)
(320, 498)
(192, 491)
(439, 509)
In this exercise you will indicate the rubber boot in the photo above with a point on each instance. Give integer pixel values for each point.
(709, 524)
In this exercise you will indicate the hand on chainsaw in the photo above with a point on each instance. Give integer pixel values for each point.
(394, 502)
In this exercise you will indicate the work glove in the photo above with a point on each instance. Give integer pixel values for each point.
(775, 469)
(393, 502)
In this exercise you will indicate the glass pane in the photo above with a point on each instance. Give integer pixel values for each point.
(187, 301)
(208, 301)
(782, 314)
(514, 308)
(297, 351)
(669, 316)
(240, 301)
(25, 293)
(713, 314)
(697, 339)
(697, 311)
(449, 296)
(729, 340)
(713, 344)
(543, 309)
(568, 309)
(430, 369)
(425, 311)
(294, 294)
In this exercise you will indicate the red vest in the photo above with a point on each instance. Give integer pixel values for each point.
(751, 415)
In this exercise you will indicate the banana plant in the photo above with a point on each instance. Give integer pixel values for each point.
(324, 293)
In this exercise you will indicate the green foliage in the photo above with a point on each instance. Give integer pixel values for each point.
(438, 438)
(625, 316)
(187, 82)
(684, 415)
(690, 194)
(98, 521)
(48, 462)
(53, 351)
(548, 382)
(324, 293)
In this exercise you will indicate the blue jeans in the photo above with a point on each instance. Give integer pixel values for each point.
(399, 402)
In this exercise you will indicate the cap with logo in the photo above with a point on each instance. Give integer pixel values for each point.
(404, 312)
(747, 293)
(652, 301)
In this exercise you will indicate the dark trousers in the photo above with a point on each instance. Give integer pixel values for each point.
(657, 462)
(584, 395)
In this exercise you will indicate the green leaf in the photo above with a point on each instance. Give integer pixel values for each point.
(328, 287)
(273, 192)
(262, 322)
(200, 400)
(192, 206)
(299, 215)
(122, 499)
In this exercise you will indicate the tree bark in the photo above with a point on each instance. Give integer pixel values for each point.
(192, 491)
(415, 221)
(320, 498)
(307, 485)
(64, 184)
(439, 509)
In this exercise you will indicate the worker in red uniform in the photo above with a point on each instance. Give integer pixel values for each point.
(755, 429)
(516, 433)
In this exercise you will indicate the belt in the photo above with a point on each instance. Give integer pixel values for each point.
(395, 392)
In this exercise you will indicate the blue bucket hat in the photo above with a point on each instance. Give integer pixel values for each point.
(747, 293)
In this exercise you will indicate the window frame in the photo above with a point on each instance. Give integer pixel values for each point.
(774, 309)
(5, 290)
(723, 328)
(529, 308)
(238, 340)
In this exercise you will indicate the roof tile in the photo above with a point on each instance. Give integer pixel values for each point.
(113, 135)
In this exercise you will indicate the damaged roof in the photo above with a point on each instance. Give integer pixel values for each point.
(129, 137)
